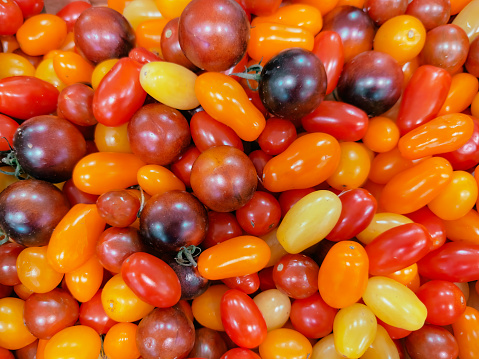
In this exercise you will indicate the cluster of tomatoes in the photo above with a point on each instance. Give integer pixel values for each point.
(245, 179)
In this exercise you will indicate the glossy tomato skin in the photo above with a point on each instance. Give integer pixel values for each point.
(151, 279)
(221, 226)
(7, 129)
(119, 94)
(434, 225)
(93, 315)
(242, 319)
(8, 263)
(358, 209)
(454, 262)
(70, 13)
(260, 215)
(12, 16)
(431, 341)
(329, 48)
(24, 97)
(339, 119)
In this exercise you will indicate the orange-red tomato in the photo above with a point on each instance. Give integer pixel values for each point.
(120, 342)
(382, 134)
(234, 257)
(77, 342)
(466, 332)
(148, 33)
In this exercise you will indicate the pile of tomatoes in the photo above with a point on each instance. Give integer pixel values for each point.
(244, 179)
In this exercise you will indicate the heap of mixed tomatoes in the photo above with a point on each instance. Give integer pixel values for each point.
(245, 179)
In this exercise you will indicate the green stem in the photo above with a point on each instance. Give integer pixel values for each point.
(256, 75)
(186, 256)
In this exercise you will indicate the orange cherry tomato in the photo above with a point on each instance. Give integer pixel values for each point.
(353, 168)
(402, 37)
(120, 342)
(324, 6)
(13, 331)
(458, 5)
(15, 65)
(234, 257)
(223, 98)
(118, 5)
(300, 15)
(22, 291)
(41, 33)
(464, 229)
(74, 239)
(171, 8)
(307, 162)
(148, 33)
(46, 72)
(112, 139)
(268, 39)
(77, 342)
(155, 179)
(101, 172)
(206, 307)
(120, 303)
(466, 332)
(405, 275)
(35, 272)
(443, 134)
(72, 68)
(415, 187)
(343, 275)
(463, 89)
(382, 134)
(285, 343)
(84, 282)
(357, 3)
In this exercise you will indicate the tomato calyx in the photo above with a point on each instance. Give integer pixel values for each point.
(186, 256)
(10, 159)
(256, 75)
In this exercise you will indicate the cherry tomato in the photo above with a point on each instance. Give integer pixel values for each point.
(277, 135)
(84, 282)
(435, 226)
(275, 307)
(12, 15)
(14, 332)
(120, 342)
(382, 135)
(325, 348)
(329, 48)
(285, 343)
(248, 284)
(380, 223)
(466, 332)
(206, 307)
(94, 316)
(70, 13)
(260, 214)
(77, 342)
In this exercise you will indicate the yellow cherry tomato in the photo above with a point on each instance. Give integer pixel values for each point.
(73, 241)
(171, 8)
(13, 331)
(35, 272)
(309, 221)
(120, 342)
(72, 68)
(77, 342)
(15, 65)
(112, 139)
(380, 223)
(169, 83)
(382, 134)
(206, 307)
(120, 303)
(382, 347)
(325, 349)
(353, 168)
(277, 250)
(467, 19)
(285, 343)
(463, 89)
(140, 10)
(394, 303)
(457, 198)
(155, 179)
(275, 307)
(354, 329)
(402, 37)
(41, 33)
(46, 72)
(101, 70)
(84, 282)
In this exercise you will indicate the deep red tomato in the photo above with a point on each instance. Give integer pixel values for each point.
(151, 279)
(328, 46)
(182, 165)
(454, 262)
(434, 225)
(93, 315)
(24, 97)
(240, 353)
(30, 7)
(221, 226)
(242, 320)
(277, 135)
(260, 215)
(12, 17)
(444, 301)
(288, 198)
(70, 12)
(143, 56)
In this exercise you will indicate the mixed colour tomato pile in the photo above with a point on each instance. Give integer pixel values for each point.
(249, 179)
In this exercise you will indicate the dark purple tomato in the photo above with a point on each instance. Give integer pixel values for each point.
(223, 178)
(214, 34)
(117, 244)
(371, 81)
(118, 208)
(30, 211)
(172, 220)
(93, 315)
(8, 263)
(431, 341)
(158, 134)
(355, 28)
(208, 344)
(45, 314)
(432, 13)
(170, 46)
(192, 283)
(75, 104)
(102, 33)
(48, 148)
(165, 333)
(293, 83)
(382, 10)
(446, 47)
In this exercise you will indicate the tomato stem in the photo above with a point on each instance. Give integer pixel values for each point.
(142, 202)
(3, 237)
(256, 75)
(11, 160)
(186, 256)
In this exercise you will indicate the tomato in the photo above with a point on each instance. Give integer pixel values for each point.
(461, 93)
(285, 343)
(234, 257)
(380, 223)
(30, 7)
(275, 307)
(382, 134)
(454, 261)
(277, 135)
(444, 301)
(221, 227)
(240, 353)
(84, 282)
(94, 316)
(346, 263)
(248, 284)
(74, 239)
(120, 342)
(435, 225)
(77, 342)
(466, 332)
(329, 48)
(224, 99)
(307, 162)
(464, 229)
(15, 65)
(151, 279)
(72, 68)
(382, 346)
(207, 307)
(325, 349)
(90, 176)
(24, 97)
(260, 214)
(242, 320)
(119, 94)
(14, 332)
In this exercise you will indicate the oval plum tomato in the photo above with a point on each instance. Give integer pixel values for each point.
(151, 279)
(76, 342)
